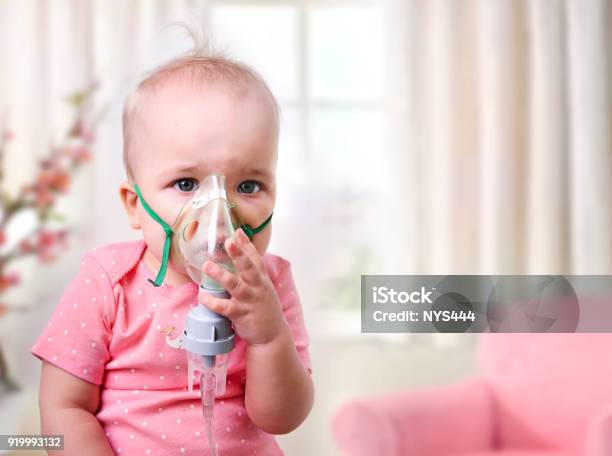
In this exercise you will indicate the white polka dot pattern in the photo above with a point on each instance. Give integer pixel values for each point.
(108, 329)
(79, 338)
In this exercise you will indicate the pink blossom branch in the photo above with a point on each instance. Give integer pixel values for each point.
(53, 179)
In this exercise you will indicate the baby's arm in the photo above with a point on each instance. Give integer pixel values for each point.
(67, 407)
(279, 390)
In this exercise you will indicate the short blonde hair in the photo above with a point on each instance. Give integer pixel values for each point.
(202, 66)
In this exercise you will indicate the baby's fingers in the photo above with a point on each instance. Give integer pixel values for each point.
(250, 250)
(225, 307)
(247, 269)
(229, 281)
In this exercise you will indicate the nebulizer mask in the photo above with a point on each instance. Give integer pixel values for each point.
(200, 230)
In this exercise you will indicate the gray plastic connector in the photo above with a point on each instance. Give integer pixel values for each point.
(206, 332)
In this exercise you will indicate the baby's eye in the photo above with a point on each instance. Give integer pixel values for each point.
(185, 184)
(249, 186)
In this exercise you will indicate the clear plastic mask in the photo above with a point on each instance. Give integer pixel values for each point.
(195, 226)
(204, 227)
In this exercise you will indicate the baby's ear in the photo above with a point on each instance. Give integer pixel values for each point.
(129, 198)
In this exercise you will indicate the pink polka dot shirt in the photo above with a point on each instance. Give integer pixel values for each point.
(109, 328)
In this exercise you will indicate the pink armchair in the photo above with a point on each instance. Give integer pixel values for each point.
(537, 395)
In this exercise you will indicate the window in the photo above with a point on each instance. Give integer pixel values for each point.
(325, 62)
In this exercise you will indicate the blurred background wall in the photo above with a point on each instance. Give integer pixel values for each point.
(418, 136)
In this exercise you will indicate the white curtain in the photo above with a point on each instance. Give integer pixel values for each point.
(499, 120)
(508, 152)
(500, 116)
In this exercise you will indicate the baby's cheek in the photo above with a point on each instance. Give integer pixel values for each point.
(154, 237)
(177, 262)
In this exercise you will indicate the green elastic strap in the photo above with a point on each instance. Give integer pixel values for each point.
(250, 232)
(164, 263)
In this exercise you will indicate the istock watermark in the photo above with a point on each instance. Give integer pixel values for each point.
(486, 303)
(382, 295)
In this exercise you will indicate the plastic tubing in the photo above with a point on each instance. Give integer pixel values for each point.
(208, 388)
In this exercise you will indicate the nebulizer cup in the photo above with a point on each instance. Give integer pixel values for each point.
(208, 337)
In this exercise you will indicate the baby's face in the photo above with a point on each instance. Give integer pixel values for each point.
(185, 134)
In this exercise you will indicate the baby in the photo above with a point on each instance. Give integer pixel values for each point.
(110, 383)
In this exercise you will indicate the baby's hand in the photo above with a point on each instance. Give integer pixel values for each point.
(254, 307)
